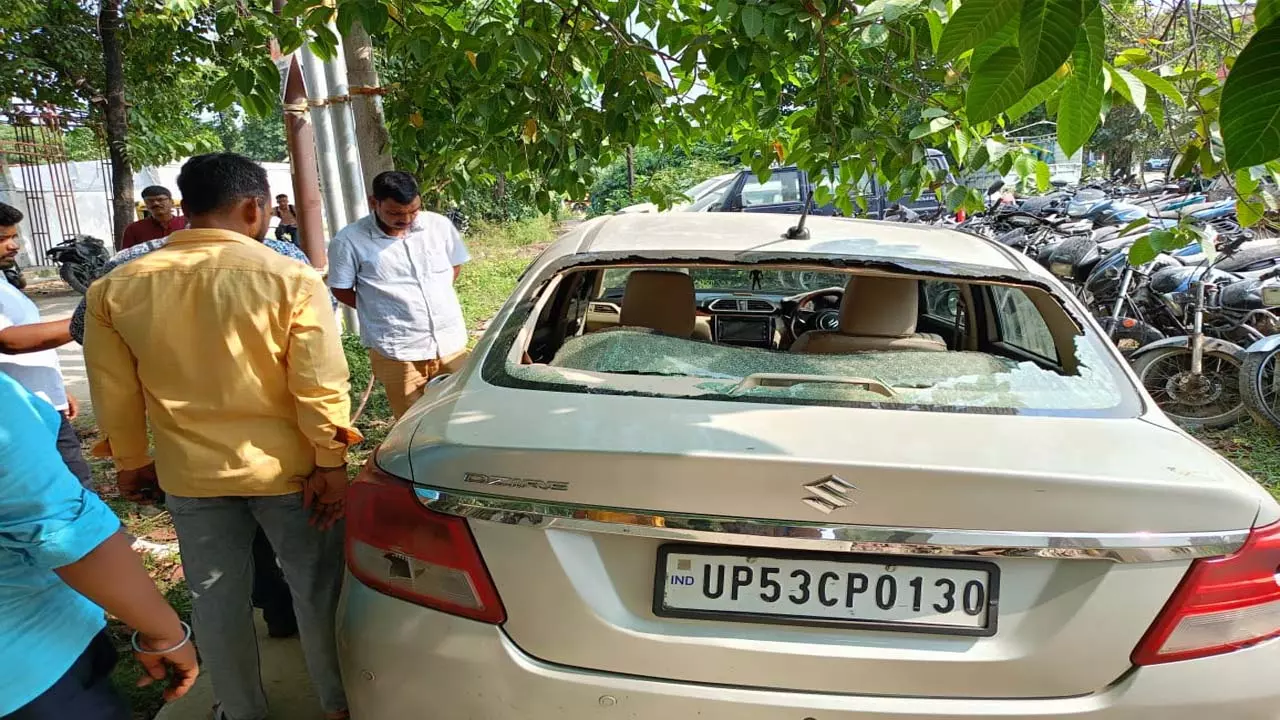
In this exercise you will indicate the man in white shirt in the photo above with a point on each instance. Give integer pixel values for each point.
(396, 267)
(27, 348)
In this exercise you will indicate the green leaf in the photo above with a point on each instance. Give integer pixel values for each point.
(1046, 34)
(874, 35)
(1044, 178)
(894, 9)
(931, 127)
(1139, 223)
(1024, 165)
(752, 21)
(1129, 86)
(956, 197)
(1250, 211)
(1081, 98)
(935, 29)
(1142, 251)
(995, 86)
(1250, 206)
(1266, 12)
(1033, 98)
(1160, 85)
(1132, 56)
(1007, 35)
(1250, 114)
(1187, 160)
(974, 22)
(930, 113)
(1155, 108)
(1146, 248)
(1246, 183)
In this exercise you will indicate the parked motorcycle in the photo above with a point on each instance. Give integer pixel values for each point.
(13, 275)
(1198, 378)
(80, 260)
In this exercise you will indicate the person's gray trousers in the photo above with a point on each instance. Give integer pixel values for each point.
(215, 536)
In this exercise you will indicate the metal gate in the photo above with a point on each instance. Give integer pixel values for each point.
(38, 156)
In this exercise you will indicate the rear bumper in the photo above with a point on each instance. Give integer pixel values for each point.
(405, 662)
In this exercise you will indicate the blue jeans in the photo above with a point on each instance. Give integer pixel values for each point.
(215, 536)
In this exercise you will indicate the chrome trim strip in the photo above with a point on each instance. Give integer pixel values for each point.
(791, 535)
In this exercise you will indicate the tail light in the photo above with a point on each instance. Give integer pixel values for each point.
(1223, 604)
(400, 548)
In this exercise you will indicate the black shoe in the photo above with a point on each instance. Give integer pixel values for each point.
(281, 630)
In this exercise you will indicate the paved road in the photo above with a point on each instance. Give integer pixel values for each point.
(56, 306)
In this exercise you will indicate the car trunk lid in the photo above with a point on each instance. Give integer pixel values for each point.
(573, 503)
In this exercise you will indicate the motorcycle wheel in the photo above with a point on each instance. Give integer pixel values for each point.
(77, 275)
(1260, 387)
(1209, 401)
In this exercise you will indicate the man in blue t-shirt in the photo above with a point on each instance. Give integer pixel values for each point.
(63, 560)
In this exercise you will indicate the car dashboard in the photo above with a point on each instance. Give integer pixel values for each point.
(743, 319)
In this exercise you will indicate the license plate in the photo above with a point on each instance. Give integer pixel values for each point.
(1271, 297)
(867, 591)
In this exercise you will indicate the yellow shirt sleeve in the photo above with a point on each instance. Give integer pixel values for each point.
(318, 376)
(118, 404)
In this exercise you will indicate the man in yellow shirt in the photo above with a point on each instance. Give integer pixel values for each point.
(231, 351)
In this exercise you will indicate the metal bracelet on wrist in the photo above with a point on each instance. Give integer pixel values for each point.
(186, 638)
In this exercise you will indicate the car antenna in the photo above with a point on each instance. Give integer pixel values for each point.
(799, 231)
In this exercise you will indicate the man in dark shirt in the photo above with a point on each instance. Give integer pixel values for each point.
(160, 222)
(288, 220)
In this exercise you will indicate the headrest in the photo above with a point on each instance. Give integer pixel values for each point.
(661, 300)
(877, 306)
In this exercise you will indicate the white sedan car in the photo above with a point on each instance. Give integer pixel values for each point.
(698, 197)
(671, 483)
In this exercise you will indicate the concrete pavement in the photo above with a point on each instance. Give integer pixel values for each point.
(284, 679)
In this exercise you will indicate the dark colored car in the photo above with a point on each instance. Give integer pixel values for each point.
(784, 192)
(787, 187)
(876, 193)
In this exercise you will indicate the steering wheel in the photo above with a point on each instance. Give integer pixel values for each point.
(826, 319)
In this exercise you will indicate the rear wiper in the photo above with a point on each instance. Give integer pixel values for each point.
(764, 380)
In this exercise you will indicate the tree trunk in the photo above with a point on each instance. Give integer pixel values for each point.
(117, 120)
(371, 128)
(631, 173)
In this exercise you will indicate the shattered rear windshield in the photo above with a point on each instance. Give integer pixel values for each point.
(646, 362)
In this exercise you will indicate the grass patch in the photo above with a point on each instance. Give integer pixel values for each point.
(499, 253)
(1252, 447)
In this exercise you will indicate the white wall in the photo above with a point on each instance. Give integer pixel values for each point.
(90, 186)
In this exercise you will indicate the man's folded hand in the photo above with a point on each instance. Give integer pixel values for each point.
(324, 493)
(140, 485)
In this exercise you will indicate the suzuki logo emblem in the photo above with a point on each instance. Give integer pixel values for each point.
(829, 494)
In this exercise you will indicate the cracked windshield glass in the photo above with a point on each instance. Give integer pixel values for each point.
(936, 362)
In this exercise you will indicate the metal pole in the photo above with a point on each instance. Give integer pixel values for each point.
(344, 131)
(302, 158)
(346, 154)
(330, 176)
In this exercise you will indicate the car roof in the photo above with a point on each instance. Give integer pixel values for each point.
(653, 236)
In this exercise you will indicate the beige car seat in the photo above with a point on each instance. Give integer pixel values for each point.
(662, 300)
(876, 314)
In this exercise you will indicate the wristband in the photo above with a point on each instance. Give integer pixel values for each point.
(186, 638)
